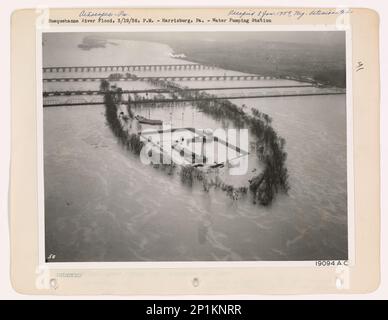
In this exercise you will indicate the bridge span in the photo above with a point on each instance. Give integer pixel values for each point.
(98, 92)
(136, 67)
(166, 78)
(83, 101)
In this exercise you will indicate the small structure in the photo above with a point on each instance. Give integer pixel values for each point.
(152, 122)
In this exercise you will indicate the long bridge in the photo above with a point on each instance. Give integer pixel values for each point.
(82, 101)
(136, 67)
(165, 78)
(99, 92)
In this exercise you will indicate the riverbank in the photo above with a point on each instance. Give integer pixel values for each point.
(298, 62)
(313, 61)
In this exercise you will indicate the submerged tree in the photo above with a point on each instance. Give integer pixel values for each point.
(104, 85)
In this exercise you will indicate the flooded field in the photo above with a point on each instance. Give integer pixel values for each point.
(103, 204)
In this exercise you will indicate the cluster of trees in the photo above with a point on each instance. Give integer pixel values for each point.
(270, 147)
(218, 109)
(189, 174)
(130, 141)
(115, 76)
(331, 77)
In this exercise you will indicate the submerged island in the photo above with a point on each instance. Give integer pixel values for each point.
(263, 185)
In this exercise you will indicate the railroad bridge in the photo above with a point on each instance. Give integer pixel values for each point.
(137, 67)
(158, 90)
(51, 101)
(166, 78)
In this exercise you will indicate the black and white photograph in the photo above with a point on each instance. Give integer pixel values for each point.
(195, 146)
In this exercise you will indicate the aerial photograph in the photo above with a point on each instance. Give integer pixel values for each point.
(194, 146)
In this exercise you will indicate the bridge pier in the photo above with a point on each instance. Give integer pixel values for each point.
(184, 66)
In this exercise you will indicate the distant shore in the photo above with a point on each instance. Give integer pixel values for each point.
(269, 59)
(324, 64)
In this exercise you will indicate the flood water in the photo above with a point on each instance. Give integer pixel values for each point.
(103, 204)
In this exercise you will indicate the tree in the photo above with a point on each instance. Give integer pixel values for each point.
(104, 85)
(119, 93)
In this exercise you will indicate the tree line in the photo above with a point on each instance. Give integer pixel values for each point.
(270, 147)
